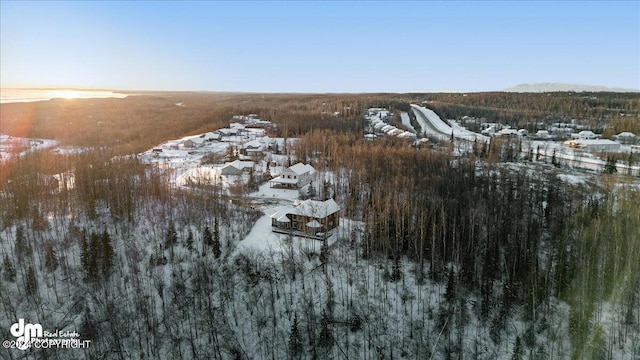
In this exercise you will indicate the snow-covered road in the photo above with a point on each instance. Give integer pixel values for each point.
(432, 124)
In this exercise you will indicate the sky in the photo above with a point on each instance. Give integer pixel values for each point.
(325, 46)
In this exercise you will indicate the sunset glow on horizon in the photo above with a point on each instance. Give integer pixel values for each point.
(66, 94)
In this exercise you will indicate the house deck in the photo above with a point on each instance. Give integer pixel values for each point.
(293, 232)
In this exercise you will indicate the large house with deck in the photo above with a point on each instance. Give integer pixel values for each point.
(309, 218)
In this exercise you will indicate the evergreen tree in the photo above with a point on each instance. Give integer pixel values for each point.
(84, 251)
(107, 253)
(610, 166)
(87, 328)
(171, 237)
(396, 270)
(355, 322)
(31, 283)
(295, 342)
(267, 172)
(324, 252)
(326, 336)
(311, 191)
(9, 269)
(21, 245)
(326, 190)
(216, 239)
(50, 258)
(450, 294)
(93, 257)
(252, 183)
(207, 237)
(190, 240)
(518, 352)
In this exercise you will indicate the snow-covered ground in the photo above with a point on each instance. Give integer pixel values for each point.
(431, 123)
(406, 121)
(11, 146)
(266, 192)
(261, 237)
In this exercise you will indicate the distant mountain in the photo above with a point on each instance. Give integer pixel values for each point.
(553, 87)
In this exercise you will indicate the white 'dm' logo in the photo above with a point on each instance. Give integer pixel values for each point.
(24, 333)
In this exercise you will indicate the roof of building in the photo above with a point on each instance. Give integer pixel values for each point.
(316, 209)
(253, 144)
(301, 168)
(196, 140)
(227, 131)
(626, 134)
(211, 135)
(407, 134)
(239, 164)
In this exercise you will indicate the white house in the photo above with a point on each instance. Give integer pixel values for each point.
(584, 134)
(294, 177)
(509, 132)
(542, 134)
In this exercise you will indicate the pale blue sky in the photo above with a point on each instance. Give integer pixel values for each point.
(292, 46)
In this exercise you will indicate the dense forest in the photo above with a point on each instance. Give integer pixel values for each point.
(482, 256)
(139, 122)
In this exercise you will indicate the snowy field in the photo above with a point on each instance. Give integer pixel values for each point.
(11, 146)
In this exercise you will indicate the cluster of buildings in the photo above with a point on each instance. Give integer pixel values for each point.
(584, 139)
(252, 121)
(378, 125)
